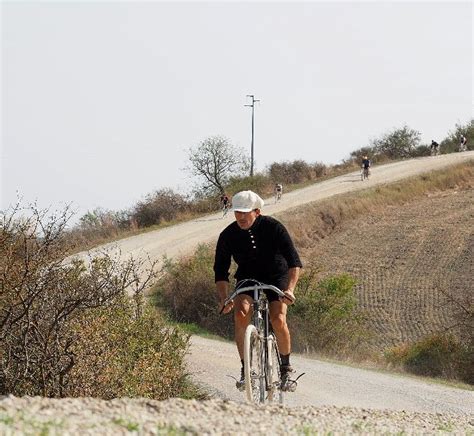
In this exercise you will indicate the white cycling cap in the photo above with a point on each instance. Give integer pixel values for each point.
(245, 201)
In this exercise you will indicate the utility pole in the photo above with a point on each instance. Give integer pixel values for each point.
(251, 147)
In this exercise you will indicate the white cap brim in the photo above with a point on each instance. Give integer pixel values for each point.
(241, 209)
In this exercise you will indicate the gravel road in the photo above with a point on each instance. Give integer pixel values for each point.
(175, 417)
(329, 384)
(331, 398)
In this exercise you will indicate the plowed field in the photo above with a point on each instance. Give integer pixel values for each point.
(403, 258)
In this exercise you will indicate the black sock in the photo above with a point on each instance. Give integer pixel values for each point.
(242, 362)
(285, 359)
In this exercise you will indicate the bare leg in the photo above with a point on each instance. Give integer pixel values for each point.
(278, 311)
(242, 316)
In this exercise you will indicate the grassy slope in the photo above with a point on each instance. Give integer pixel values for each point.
(405, 244)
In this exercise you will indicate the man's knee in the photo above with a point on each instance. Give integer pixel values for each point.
(279, 322)
(241, 316)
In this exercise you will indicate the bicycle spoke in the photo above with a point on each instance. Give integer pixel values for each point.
(253, 359)
(275, 394)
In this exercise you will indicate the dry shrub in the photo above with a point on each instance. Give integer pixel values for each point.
(437, 355)
(258, 183)
(295, 172)
(187, 292)
(54, 313)
(148, 363)
(162, 205)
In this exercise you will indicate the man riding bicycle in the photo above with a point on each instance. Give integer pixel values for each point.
(225, 202)
(263, 250)
(434, 147)
(365, 167)
(278, 191)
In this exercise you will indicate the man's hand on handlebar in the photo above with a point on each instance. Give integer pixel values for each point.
(224, 309)
(289, 297)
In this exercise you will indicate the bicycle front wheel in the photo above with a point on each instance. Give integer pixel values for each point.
(253, 366)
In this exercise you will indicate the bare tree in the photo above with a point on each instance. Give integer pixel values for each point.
(214, 161)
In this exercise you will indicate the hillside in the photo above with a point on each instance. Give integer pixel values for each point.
(405, 259)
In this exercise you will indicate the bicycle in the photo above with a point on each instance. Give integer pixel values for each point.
(277, 196)
(261, 356)
(364, 174)
(435, 152)
(225, 209)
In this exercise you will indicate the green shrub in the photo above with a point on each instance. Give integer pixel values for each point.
(451, 143)
(324, 317)
(188, 294)
(437, 355)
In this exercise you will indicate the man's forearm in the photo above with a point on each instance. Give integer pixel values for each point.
(222, 288)
(293, 276)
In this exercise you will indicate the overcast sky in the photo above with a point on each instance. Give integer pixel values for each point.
(101, 100)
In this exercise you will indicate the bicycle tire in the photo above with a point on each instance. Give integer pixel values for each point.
(253, 366)
(275, 394)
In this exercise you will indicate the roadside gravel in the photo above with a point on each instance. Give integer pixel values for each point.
(89, 416)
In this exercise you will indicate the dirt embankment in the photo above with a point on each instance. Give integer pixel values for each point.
(407, 260)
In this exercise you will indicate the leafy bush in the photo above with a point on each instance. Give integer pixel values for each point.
(324, 317)
(61, 318)
(437, 355)
(187, 292)
(399, 143)
(451, 143)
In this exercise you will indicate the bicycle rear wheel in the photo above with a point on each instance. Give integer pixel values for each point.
(275, 394)
(253, 366)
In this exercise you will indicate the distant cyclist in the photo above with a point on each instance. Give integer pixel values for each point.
(278, 191)
(434, 147)
(225, 204)
(462, 143)
(365, 166)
